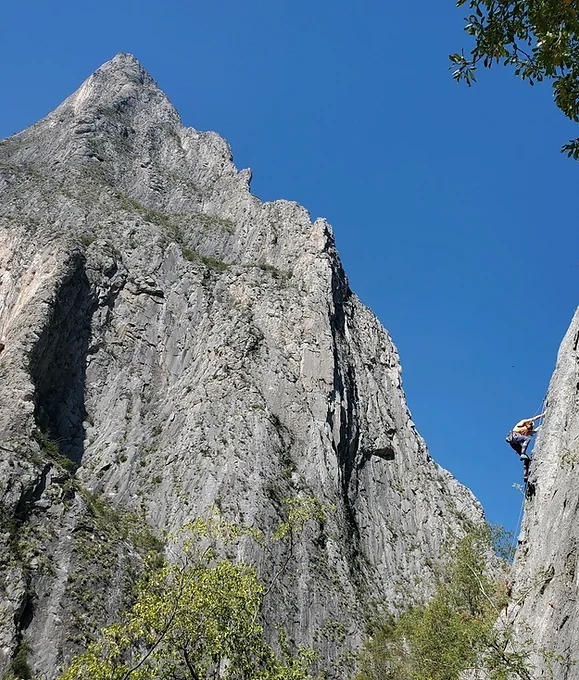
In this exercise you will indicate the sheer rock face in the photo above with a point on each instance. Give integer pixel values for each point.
(193, 347)
(546, 573)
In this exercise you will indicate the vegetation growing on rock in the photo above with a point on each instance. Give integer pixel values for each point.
(199, 615)
(457, 630)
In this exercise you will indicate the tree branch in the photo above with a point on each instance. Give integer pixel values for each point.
(161, 635)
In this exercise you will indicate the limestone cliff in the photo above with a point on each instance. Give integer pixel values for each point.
(545, 611)
(188, 346)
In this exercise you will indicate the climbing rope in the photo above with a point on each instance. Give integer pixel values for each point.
(516, 534)
(541, 409)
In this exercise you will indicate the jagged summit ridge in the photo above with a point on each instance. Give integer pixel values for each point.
(120, 85)
(120, 89)
(119, 131)
(190, 347)
(121, 127)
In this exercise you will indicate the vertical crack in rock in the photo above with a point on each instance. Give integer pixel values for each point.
(16, 572)
(58, 364)
(345, 396)
(347, 446)
(31, 494)
(346, 399)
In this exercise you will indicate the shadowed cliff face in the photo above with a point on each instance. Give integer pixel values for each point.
(545, 575)
(58, 365)
(194, 347)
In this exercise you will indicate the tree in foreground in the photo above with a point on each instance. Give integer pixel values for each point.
(539, 39)
(198, 618)
(456, 631)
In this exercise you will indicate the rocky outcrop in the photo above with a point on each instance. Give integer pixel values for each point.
(545, 612)
(188, 346)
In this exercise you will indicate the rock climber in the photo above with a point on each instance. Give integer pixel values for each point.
(519, 438)
(2, 346)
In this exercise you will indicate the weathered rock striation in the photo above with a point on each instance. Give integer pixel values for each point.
(545, 611)
(189, 346)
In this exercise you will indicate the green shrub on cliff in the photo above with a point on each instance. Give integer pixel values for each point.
(456, 631)
(199, 616)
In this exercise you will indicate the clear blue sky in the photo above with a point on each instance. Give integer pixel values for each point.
(452, 207)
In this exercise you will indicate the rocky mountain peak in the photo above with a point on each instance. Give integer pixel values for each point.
(127, 65)
(188, 346)
(121, 86)
(108, 118)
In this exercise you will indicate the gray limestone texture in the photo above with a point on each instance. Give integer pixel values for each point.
(188, 346)
(544, 612)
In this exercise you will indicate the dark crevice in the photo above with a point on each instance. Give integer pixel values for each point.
(41, 486)
(347, 447)
(563, 621)
(348, 444)
(344, 386)
(385, 453)
(30, 496)
(58, 364)
(27, 612)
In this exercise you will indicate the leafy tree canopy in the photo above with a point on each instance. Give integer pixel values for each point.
(539, 39)
(198, 616)
(456, 631)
